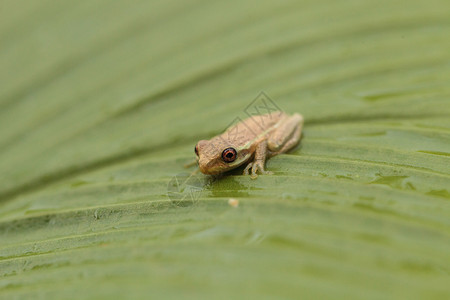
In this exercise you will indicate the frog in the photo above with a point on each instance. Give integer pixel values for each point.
(252, 141)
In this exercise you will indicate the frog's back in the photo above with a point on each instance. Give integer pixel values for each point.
(252, 128)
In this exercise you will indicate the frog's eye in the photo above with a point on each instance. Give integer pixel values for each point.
(196, 150)
(229, 155)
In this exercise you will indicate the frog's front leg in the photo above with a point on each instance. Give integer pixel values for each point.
(286, 136)
(259, 161)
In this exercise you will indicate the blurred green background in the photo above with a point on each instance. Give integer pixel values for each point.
(102, 102)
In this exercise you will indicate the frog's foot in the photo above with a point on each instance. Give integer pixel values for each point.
(256, 166)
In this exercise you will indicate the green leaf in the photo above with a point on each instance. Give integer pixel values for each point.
(102, 102)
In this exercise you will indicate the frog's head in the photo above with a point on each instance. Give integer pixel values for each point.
(216, 156)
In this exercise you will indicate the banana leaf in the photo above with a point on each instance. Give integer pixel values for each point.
(102, 103)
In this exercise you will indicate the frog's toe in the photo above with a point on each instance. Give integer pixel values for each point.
(247, 168)
(256, 167)
(259, 166)
(262, 171)
(254, 171)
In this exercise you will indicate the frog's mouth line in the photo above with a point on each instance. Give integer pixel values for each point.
(223, 167)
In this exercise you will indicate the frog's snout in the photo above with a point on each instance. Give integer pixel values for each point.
(202, 167)
(207, 168)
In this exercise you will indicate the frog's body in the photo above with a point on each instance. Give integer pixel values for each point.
(251, 140)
